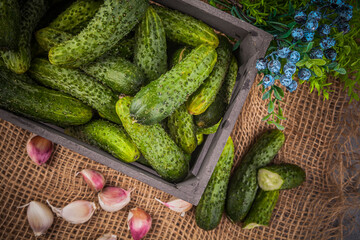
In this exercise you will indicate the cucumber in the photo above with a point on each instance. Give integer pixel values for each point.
(19, 94)
(124, 48)
(185, 29)
(212, 203)
(9, 24)
(77, 84)
(150, 46)
(111, 23)
(243, 182)
(179, 55)
(76, 16)
(213, 113)
(162, 153)
(230, 79)
(206, 94)
(209, 130)
(282, 176)
(143, 161)
(19, 60)
(200, 138)
(162, 97)
(182, 129)
(108, 136)
(262, 209)
(50, 37)
(117, 73)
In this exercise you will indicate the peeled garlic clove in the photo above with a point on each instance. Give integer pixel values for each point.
(107, 236)
(112, 199)
(94, 179)
(40, 217)
(177, 205)
(139, 223)
(39, 149)
(77, 212)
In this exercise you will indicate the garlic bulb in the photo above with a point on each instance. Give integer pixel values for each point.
(112, 199)
(77, 212)
(107, 236)
(139, 223)
(94, 179)
(39, 149)
(177, 205)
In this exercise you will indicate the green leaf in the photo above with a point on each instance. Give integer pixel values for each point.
(266, 117)
(288, 33)
(332, 65)
(341, 71)
(317, 71)
(281, 117)
(309, 46)
(276, 94)
(280, 111)
(279, 90)
(347, 49)
(271, 107)
(236, 45)
(309, 64)
(326, 95)
(279, 126)
(270, 122)
(319, 62)
(266, 95)
(300, 63)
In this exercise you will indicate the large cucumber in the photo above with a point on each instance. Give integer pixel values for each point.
(186, 29)
(124, 48)
(230, 79)
(108, 136)
(212, 203)
(50, 37)
(77, 84)
(243, 182)
(19, 94)
(281, 176)
(9, 24)
(262, 209)
(179, 55)
(162, 153)
(162, 97)
(150, 46)
(111, 23)
(205, 95)
(209, 130)
(213, 113)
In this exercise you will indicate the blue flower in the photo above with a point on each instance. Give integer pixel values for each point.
(261, 64)
(292, 86)
(274, 66)
(289, 69)
(304, 74)
(294, 57)
(268, 81)
(285, 81)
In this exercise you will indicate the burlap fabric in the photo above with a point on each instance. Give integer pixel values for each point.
(313, 211)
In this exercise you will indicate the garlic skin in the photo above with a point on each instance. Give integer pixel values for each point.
(113, 199)
(39, 217)
(94, 179)
(139, 223)
(177, 205)
(107, 236)
(77, 212)
(39, 149)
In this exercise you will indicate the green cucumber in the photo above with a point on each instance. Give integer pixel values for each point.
(200, 138)
(209, 130)
(206, 94)
(50, 37)
(143, 161)
(19, 94)
(213, 113)
(77, 84)
(243, 183)
(182, 129)
(230, 79)
(282, 176)
(117, 73)
(162, 153)
(150, 46)
(186, 29)
(76, 16)
(212, 203)
(124, 48)
(108, 136)
(111, 23)
(262, 209)
(9, 24)
(179, 55)
(162, 97)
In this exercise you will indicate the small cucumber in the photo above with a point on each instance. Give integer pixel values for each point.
(162, 97)
(282, 176)
(186, 29)
(150, 46)
(243, 182)
(212, 203)
(230, 79)
(143, 161)
(117, 73)
(9, 24)
(262, 209)
(213, 113)
(179, 55)
(108, 136)
(200, 138)
(162, 153)
(50, 37)
(209, 130)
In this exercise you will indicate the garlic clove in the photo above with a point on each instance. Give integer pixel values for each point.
(112, 199)
(39, 149)
(77, 212)
(139, 223)
(108, 236)
(94, 179)
(177, 205)
(39, 217)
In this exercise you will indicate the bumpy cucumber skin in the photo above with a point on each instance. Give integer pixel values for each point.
(108, 136)
(19, 94)
(112, 22)
(292, 175)
(212, 203)
(200, 138)
(262, 209)
(182, 129)
(243, 182)
(9, 24)
(117, 73)
(206, 94)
(50, 37)
(179, 55)
(162, 153)
(76, 16)
(213, 113)
(230, 79)
(124, 48)
(77, 84)
(162, 97)
(19, 60)
(186, 29)
(209, 130)
(150, 46)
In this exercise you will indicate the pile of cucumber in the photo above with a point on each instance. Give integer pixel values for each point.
(140, 81)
